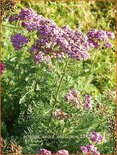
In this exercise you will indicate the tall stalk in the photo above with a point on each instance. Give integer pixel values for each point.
(61, 79)
(92, 68)
(58, 89)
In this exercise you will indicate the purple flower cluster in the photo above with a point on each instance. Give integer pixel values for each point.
(75, 43)
(27, 14)
(60, 152)
(96, 137)
(97, 37)
(30, 19)
(18, 41)
(53, 40)
(88, 104)
(39, 57)
(2, 67)
(73, 97)
(91, 149)
(57, 42)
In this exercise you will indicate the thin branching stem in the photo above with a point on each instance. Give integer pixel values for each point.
(58, 88)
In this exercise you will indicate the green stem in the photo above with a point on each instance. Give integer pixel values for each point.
(96, 56)
(61, 79)
(58, 88)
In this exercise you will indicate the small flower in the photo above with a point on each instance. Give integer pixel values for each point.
(27, 14)
(84, 149)
(44, 151)
(13, 18)
(96, 137)
(97, 37)
(63, 152)
(91, 149)
(93, 44)
(73, 97)
(88, 104)
(108, 45)
(59, 114)
(39, 57)
(2, 67)
(110, 34)
(18, 41)
(97, 34)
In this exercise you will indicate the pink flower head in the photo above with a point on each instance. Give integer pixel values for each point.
(88, 103)
(110, 34)
(108, 45)
(39, 57)
(89, 149)
(84, 149)
(44, 152)
(92, 149)
(63, 152)
(73, 97)
(96, 137)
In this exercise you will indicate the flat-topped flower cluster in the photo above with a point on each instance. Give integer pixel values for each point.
(54, 41)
